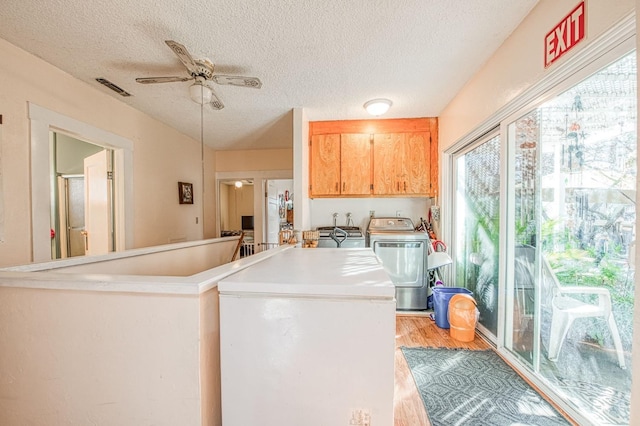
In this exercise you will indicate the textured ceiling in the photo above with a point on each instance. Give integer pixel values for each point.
(326, 56)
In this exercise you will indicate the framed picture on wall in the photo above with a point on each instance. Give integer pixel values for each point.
(185, 193)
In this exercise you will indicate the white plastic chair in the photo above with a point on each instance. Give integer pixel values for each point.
(566, 309)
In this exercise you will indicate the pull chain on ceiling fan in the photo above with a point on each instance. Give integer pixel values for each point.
(202, 98)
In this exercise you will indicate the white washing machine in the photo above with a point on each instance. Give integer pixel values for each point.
(340, 237)
(403, 252)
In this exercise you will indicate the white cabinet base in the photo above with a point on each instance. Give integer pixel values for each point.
(306, 360)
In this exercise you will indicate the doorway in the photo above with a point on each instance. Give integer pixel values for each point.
(82, 203)
(278, 208)
(42, 122)
(236, 211)
(260, 207)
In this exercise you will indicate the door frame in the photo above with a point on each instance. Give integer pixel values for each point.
(42, 122)
(259, 208)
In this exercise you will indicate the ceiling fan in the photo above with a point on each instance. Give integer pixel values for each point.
(201, 70)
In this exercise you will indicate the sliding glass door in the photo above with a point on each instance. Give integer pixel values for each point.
(477, 205)
(570, 241)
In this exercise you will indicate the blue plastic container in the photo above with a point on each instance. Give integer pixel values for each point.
(441, 297)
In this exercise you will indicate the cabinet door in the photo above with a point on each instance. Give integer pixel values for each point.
(388, 165)
(417, 164)
(355, 165)
(325, 165)
(401, 164)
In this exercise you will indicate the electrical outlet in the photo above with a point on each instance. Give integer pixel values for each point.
(366, 421)
(398, 213)
(435, 213)
(360, 417)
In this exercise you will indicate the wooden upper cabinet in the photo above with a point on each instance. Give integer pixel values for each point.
(340, 165)
(325, 164)
(387, 163)
(395, 157)
(355, 165)
(401, 164)
(417, 160)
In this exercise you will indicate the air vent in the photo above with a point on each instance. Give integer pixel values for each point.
(113, 87)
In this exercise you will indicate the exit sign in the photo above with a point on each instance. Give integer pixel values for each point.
(564, 36)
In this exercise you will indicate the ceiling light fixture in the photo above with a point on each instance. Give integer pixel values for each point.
(238, 184)
(377, 106)
(199, 93)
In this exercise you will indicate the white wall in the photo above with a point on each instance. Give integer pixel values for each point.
(301, 205)
(519, 63)
(283, 185)
(322, 209)
(71, 154)
(161, 155)
(67, 359)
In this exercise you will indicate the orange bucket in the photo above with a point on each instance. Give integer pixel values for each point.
(463, 315)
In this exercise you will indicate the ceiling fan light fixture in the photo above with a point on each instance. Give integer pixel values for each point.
(377, 106)
(199, 93)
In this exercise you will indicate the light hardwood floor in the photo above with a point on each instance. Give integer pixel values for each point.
(418, 331)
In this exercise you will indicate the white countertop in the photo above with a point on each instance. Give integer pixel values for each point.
(330, 272)
(44, 275)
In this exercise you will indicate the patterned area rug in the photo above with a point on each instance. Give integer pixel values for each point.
(462, 387)
(606, 405)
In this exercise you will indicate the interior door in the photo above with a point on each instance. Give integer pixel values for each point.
(71, 207)
(97, 204)
(273, 216)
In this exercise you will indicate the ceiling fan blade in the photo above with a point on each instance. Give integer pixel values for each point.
(183, 54)
(151, 80)
(237, 80)
(216, 103)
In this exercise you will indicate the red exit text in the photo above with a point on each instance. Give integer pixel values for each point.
(565, 35)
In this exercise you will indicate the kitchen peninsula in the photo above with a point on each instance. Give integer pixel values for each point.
(308, 334)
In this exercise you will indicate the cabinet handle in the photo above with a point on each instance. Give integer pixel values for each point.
(344, 186)
(397, 186)
(405, 187)
(337, 187)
